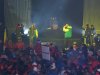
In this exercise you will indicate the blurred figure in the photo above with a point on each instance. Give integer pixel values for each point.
(67, 29)
(93, 33)
(19, 31)
(94, 49)
(98, 55)
(52, 70)
(1, 45)
(66, 73)
(10, 44)
(83, 35)
(38, 48)
(52, 49)
(73, 55)
(33, 34)
(20, 44)
(87, 34)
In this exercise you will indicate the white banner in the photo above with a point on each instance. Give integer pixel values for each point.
(45, 53)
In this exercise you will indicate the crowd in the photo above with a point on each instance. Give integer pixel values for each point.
(77, 59)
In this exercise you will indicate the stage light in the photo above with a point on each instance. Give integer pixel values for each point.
(25, 31)
(49, 28)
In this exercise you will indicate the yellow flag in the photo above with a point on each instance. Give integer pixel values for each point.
(36, 33)
(5, 39)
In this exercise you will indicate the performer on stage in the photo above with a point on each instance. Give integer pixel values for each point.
(87, 34)
(19, 31)
(93, 34)
(33, 34)
(67, 29)
(83, 35)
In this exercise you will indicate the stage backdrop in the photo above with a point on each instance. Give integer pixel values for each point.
(92, 13)
(64, 11)
(17, 11)
(1, 23)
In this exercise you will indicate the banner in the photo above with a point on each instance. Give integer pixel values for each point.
(45, 53)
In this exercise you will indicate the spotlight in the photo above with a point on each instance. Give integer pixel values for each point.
(26, 31)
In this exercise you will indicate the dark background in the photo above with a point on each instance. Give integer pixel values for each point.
(1, 22)
(65, 11)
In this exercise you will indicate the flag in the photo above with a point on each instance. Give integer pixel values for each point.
(5, 39)
(36, 33)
